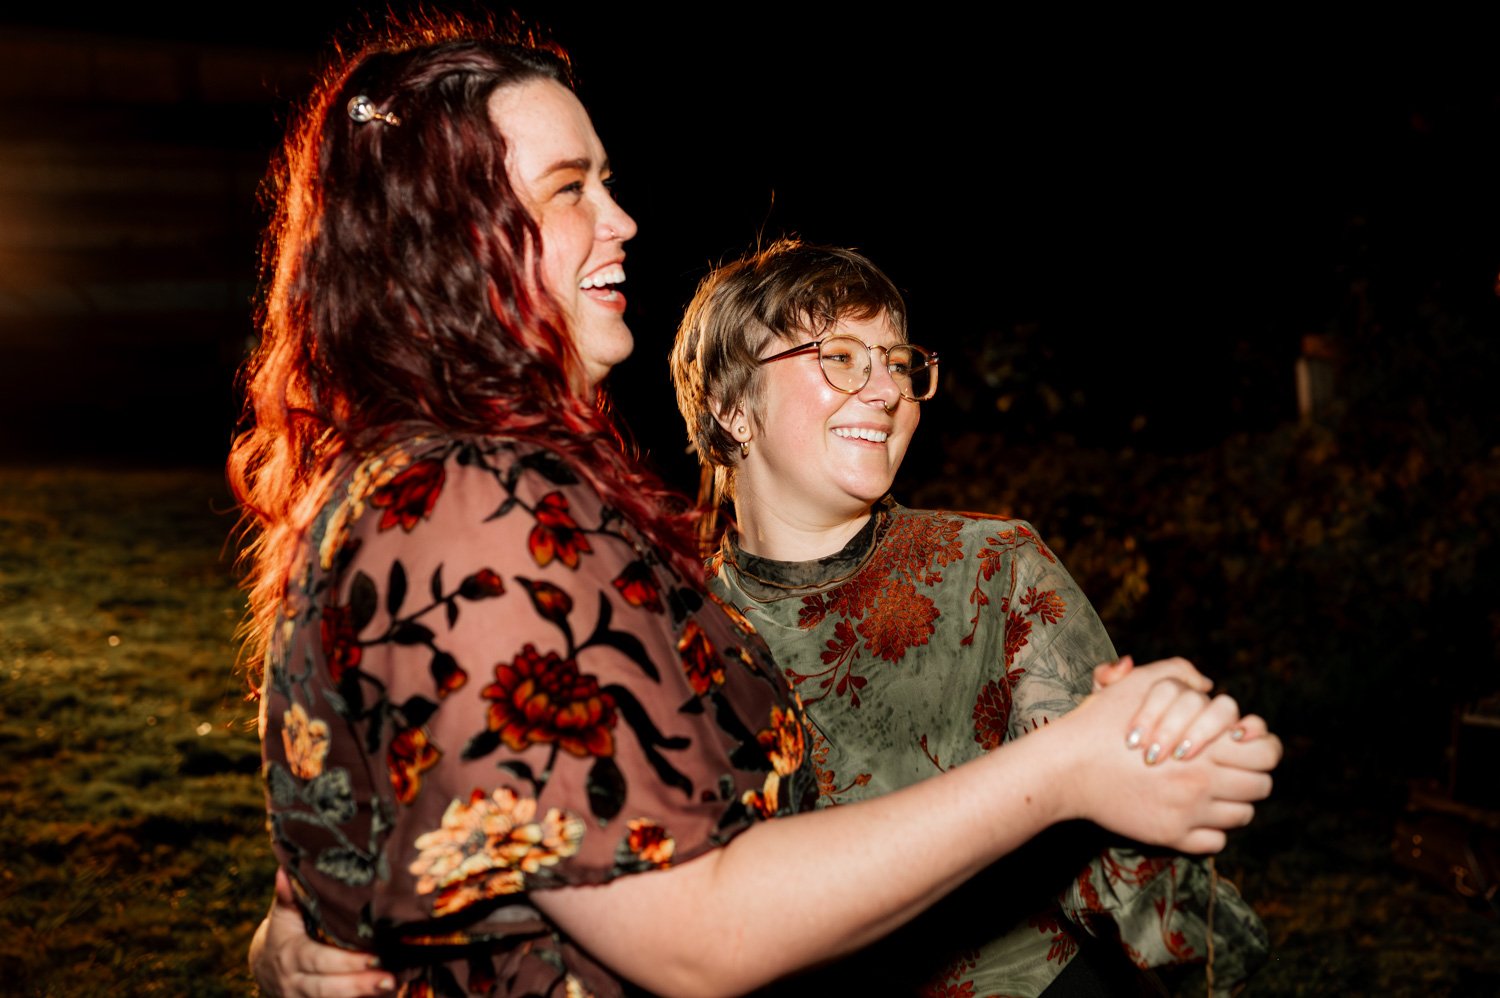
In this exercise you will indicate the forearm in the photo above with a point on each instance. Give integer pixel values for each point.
(791, 893)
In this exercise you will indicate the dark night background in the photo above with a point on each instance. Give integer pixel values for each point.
(1164, 222)
(1120, 233)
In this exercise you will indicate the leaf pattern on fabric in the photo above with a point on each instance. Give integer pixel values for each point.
(485, 683)
(898, 693)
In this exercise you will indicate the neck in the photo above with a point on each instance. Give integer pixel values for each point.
(790, 535)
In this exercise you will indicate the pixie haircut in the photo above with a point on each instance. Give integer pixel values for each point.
(786, 291)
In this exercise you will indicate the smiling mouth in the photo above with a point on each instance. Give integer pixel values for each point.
(600, 285)
(861, 433)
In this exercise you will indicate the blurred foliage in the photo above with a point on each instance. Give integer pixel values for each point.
(1336, 574)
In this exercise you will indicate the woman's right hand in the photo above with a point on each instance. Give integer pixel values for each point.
(1188, 805)
(1165, 728)
(289, 963)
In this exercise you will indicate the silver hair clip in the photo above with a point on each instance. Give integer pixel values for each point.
(363, 111)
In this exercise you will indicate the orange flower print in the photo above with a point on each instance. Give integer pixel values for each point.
(766, 800)
(1063, 945)
(1017, 631)
(305, 741)
(409, 756)
(828, 786)
(992, 710)
(784, 741)
(553, 603)
(1046, 604)
(341, 648)
(650, 842)
(914, 550)
(409, 497)
(733, 613)
(901, 620)
(556, 535)
(949, 982)
(544, 700)
(638, 586)
(699, 659)
(852, 599)
(483, 584)
(486, 846)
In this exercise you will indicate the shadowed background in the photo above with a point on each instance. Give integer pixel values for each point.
(1122, 247)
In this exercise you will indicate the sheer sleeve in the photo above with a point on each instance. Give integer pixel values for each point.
(1053, 637)
(492, 686)
(1155, 903)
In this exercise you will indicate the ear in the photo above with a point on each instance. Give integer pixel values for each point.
(734, 423)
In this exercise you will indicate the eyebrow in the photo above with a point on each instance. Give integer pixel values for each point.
(581, 163)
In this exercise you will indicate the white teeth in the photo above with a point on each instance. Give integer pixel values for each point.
(600, 278)
(860, 433)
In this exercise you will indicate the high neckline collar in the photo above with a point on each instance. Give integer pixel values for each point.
(767, 578)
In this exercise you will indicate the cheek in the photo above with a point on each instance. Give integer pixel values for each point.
(565, 246)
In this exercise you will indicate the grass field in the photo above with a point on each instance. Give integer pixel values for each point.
(136, 861)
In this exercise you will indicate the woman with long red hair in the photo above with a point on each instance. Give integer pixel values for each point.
(511, 746)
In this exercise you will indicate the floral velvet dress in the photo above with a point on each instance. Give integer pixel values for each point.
(929, 639)
(484, 684)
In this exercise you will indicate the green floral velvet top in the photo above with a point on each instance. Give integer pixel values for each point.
(484, 684)
(933, 637)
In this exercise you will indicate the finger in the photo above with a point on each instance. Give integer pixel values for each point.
(1239, 785)
(1183, 671)
(1218, 718)
(1260, 754)
(1251, 726)
(1143, 726)
(1176, 729)
(1112, 672)
(366, 984)
(1228, 815)
(284, 888)
(1203, 841)
(316, 958)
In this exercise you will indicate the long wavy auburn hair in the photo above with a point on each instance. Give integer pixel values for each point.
(399, 297)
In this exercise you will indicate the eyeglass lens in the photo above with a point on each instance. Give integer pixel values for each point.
(847, 363)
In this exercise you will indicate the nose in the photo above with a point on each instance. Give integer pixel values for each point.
(614, 223)
(881, 387)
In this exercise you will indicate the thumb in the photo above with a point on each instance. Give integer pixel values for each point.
(284, 895)
(1112, 672)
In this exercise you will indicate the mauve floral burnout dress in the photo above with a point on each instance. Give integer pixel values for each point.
(485, 683)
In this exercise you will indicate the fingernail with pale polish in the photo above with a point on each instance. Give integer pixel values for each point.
(386, 984)
(1133, 740)
(373, 963)
(1183, 748)
(1152, 754)
(1238, 734)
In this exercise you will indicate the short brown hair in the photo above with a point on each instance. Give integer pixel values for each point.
(787, 288)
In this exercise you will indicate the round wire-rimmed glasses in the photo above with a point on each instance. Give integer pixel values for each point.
(846, 363)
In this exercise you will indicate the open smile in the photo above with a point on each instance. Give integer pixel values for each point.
(601, 286)
(861, 433)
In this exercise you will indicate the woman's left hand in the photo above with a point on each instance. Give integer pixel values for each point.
(288, 963)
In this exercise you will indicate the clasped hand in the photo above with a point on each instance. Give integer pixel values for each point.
(1188, 767)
